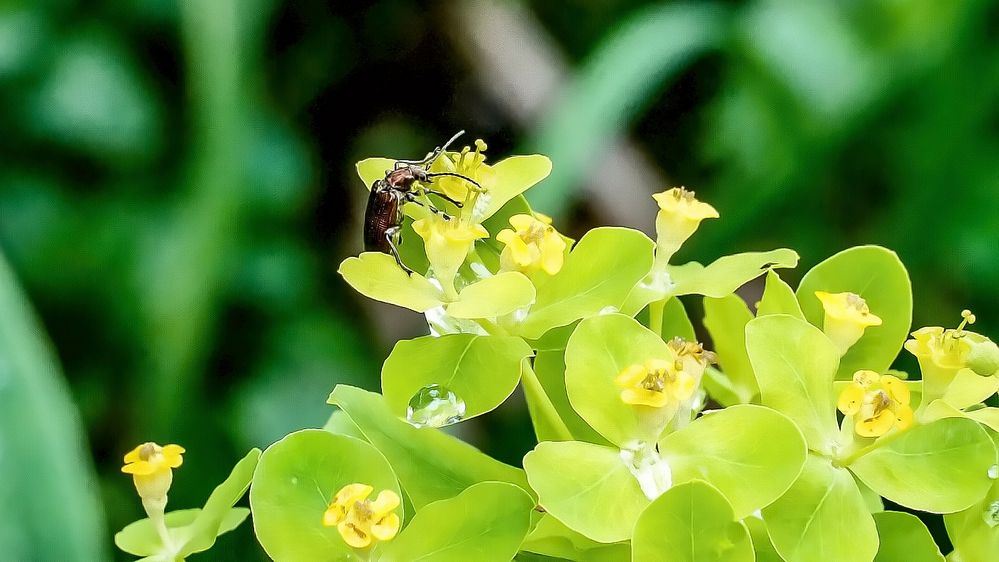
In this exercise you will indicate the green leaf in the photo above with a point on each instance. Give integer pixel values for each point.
(371, 170)
(487, 521)
(294, 483)
(599, 273)
(47, 482)
(676, 323)
(726, 274)
(693, 522)
(778, 298)
(904, 538)
(726, 319)
(493, 296)
(430, 464)
(612, 87)
(987, 416)
(206, 527)
(550, 368)
(377, 276)
(588, 487)
(940, 467)
(735, 446)
(514, 175)
(794, 364)
(551, 537)
(141, 538)
(973, 538)
(822, 517)
(481, 370)
(599, 349)
(341, 424)
(968, 389)
(877, 275)
(765, 551)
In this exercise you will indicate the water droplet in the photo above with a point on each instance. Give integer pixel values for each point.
(435, 406)
(991, 514)
(294, 480)
(994, 472)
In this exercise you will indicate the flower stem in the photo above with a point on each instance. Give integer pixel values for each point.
(544, 416)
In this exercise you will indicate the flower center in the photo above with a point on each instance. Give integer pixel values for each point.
(147, 451)
(362, 510)
(655, 381)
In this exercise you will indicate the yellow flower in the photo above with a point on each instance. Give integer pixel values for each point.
(447, 244)
(533, 244)
(879, 402)
(656, 383)
(942, 353)
(680, 213)
(467, 163)
(691, 357)
(151, 467)
(846, 318)
(360, 520)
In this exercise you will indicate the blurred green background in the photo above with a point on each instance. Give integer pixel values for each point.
(177, 190)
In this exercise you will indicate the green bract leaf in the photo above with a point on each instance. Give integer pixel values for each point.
(487, 521)
(493, 296)
(206, 527)
(295, 481)
(941, 467)
(481, 370)
(141, 538)
(968, 389)
(822, 517)
(588, 487)
(751, 454)
(778, 298)
(728, 273)
(987, 416)
(904, 538)
(514, 175)
(551, 537)
(550, 368)
(431, 465)
(794, 364)
(726, 319)
(371, 170)
(877, 275)
(765, 551)
(599, 273)
(692, 522)
(599, 349)
(973, 537)
(676, 323)
(341, 424)
(377, 276)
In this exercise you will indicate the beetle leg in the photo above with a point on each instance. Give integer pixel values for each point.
(445, 197)
(411, 198)
(394, 238)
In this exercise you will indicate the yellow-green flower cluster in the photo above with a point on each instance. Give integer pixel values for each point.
(878, 403)
(361, 521)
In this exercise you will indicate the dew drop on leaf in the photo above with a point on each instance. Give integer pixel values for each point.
(991, 514)
(435, 406)
(994, 472)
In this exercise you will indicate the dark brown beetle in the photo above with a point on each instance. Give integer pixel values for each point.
(405, 183)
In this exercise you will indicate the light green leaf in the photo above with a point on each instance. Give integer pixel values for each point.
(486, 521)
(141, 538)
(794, 364)
(940, 467)
(377, 276)
(988, 416)
(430, 464)
(588, 487)
(735, 446)
(550, 368)
(514, 175)
(693, 522)
(493, 296)
(904, 538)
(778, 298)
(599, 349)
(726, 274)
(676, 323)
(294, 483)
(765, 551)
(973, 538)
(48, 489)
(205, 528)
(969, 388)
(726, 319)
(341, 424)
(371, 170)
(481, 370)
(822, 517)
(720, 388)
(551, 537)
(877, 275)
(599, 273)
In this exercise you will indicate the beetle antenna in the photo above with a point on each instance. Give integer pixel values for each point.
(433, 155)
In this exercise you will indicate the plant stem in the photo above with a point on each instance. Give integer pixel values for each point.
(541, 407)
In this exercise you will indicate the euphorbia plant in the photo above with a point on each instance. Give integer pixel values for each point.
(779, 443)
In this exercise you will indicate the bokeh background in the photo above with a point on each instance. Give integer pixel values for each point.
(177, 190)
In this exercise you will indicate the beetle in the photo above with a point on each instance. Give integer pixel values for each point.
(405, 183)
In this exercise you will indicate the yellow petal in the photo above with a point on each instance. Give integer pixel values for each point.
(422, 228)
(142, 468)
(896, 389)
(851, 399)
(630, 376)
(386, 528)
(133, 455)
(876, 426)
(173, 450)
(506, 236)
(333, 515)
(552, 253)
(684, 386)
(643, 397)
(352, 493)
(386, 501)
(352, 535)
(903, 417)
(522, 222)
